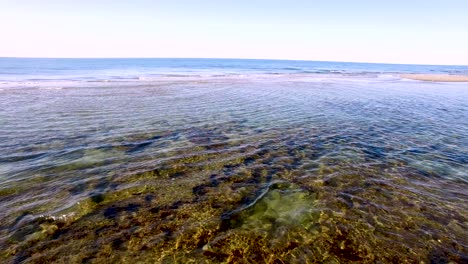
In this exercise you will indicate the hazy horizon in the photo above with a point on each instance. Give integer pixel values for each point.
(195, 58)
(420, 32)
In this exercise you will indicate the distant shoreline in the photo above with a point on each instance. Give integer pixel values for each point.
(30, 72)
(436, 77)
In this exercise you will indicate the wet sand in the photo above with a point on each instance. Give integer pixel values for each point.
(436, 77)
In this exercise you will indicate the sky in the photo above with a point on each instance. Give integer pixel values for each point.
(393, 31)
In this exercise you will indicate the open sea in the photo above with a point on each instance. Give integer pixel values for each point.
(231, 161)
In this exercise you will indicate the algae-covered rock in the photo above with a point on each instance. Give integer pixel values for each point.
(272, 198)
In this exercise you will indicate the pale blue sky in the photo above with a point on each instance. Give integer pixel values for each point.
(397, 31)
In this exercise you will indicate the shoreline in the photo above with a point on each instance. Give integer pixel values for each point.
(435, 77)
(169, 79)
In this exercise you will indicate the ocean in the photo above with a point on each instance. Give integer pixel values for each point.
(238, 161)
(32, 71)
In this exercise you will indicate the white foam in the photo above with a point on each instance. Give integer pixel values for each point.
(51, 88)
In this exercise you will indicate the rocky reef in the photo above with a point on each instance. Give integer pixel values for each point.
(274, 198)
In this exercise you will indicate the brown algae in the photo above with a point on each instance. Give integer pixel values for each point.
(289, 172)
(244, 210)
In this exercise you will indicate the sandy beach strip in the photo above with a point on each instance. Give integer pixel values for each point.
(436, 77)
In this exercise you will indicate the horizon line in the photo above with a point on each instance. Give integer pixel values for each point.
(222, 58)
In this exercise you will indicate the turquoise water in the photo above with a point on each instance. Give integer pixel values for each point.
(236, 161)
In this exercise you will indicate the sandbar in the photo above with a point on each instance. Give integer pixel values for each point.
(436, 77)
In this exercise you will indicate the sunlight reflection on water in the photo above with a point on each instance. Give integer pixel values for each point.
(369, 159)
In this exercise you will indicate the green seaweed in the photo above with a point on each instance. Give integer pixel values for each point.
(263, 202)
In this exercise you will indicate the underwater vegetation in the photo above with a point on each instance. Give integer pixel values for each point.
(278, 199)
(236, 171)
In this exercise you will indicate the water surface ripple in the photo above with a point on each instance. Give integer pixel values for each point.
(239, 170)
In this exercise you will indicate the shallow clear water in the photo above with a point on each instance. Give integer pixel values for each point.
(254, 168)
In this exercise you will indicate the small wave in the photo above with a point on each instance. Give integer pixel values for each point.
(155, 78)
(309, 71)
(168, 76)
(100, 81)
(124, 78)
(51, 88)
(181, 75)
(292, 69)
